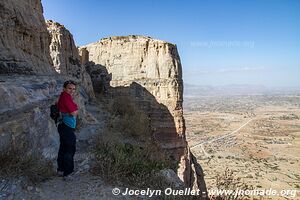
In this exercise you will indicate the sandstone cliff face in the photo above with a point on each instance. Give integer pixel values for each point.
(65, 56)
(63, 51)
(151, 69)
(24, 39)
(28, 81)
(153, 64)
(24, 113)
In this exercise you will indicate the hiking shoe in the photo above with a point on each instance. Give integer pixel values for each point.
(60, 173)
(70, 177)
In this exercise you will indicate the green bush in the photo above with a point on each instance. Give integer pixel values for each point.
(126, 152)
(127, 118)
(126, 162)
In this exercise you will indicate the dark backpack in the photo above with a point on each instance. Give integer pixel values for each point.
(54, 113)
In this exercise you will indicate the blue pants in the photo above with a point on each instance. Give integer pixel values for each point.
(67, 148)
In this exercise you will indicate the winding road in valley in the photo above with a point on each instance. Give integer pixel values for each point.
(219, 137)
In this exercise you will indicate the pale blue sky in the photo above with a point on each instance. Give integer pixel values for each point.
(219, 41)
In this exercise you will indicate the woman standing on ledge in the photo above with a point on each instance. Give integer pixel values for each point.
(68, 109)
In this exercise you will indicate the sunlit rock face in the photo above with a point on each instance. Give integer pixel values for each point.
(29, 83)
(63, 51)
(24, 39)
(65, 56)
(152, 71)
(154, 65)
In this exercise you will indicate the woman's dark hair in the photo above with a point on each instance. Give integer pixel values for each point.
(69, 82)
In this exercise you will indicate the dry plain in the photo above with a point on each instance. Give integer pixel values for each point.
(256, 137)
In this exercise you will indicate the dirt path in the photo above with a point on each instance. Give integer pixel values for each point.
(221, 136)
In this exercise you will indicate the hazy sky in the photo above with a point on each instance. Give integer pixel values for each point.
(219, 41)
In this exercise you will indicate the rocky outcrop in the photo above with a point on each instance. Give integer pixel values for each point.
(25, 100)
(24, 39)
(153, 64)
(24, 113)
(84, 56)
(65, 56)
(63, 51)
(152, 71)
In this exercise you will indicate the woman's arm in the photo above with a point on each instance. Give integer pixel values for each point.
(74, 113)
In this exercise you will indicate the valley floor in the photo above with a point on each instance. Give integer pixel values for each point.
(257, 140)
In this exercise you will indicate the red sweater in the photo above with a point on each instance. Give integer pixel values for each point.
(66, 104)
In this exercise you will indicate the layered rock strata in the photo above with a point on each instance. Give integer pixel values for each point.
(152, 71)
(154, 65)
(63, 51)
(24, 113)
(28, 81)
(24, 39)
(65, 56)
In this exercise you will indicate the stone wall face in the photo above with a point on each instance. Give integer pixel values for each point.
(150, 72)
(25, 121)
(154, 65)
(65, 56)
(28, 81)
(63, 51)
(24, 113)
(24, 39)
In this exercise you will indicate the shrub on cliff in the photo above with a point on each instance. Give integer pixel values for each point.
(127, 118)
(126, 152)
(126, 162)
(16, 163)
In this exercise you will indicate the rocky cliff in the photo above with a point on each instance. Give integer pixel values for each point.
(146, 69)
(63, 51)
(24, 113)
(25, 90)
(24, 39)
(153, 64)
(28, 81)
(152, 71)
(65, 56)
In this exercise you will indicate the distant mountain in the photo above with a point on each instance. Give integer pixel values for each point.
(237, 89)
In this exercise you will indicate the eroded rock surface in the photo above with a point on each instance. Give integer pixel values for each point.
(152, 64)
(24, 113)
(24, 39)
(65, 56)
(149, 71)
(28, 81)
(63, 50)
